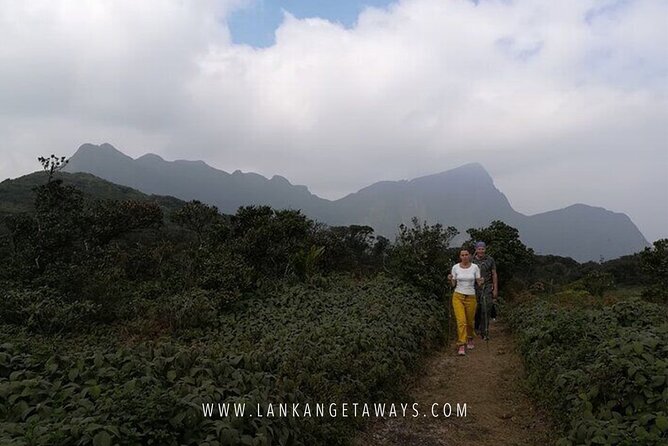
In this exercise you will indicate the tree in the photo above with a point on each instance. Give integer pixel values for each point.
(347, 248)
(108, 219)
(271, 241)
(420, 255)
(654, 261)
(504, 245)
(52, 164)
(197, 217)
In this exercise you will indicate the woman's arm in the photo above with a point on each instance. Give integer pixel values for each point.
(452, 277)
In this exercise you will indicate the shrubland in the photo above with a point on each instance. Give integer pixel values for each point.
(120, 317)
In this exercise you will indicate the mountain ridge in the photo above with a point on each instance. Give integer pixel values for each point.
(464, 197)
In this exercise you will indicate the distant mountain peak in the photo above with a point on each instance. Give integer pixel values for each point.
(585, 206)
(151, 157)
(104, 149)
(474, 166)
(280, 179)
(472, 170)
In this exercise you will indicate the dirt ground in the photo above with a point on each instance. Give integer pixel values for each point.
(488, 379)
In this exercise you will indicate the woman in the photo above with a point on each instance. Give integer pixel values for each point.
(463, 277)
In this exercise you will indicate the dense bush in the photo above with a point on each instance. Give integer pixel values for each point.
(595, 283)
(146, 395)
(44, 311)
(601, 369)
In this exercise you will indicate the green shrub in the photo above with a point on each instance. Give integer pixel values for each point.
(595, 283)
(601, 369)
(147, 395)
(193, 308)
(45, 311)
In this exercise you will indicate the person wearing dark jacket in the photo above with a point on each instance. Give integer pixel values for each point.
(486, 293)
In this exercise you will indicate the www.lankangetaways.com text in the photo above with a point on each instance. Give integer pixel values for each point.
(333, 410)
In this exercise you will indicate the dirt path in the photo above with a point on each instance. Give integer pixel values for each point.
(488, 380)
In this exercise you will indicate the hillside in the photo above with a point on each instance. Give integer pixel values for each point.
(16, 195)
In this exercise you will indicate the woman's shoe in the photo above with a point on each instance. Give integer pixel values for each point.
(469, 345)
(461, 351)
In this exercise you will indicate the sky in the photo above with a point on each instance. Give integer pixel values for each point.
(562, 102)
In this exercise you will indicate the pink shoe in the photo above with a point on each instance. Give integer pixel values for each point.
(469, 345)
(461, 351)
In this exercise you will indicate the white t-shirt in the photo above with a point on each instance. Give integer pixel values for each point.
(465, 278)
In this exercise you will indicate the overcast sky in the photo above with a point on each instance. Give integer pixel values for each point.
(562, 101)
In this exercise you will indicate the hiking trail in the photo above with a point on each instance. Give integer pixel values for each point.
(489, 380)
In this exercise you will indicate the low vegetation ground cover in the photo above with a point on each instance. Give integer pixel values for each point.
(599, 364)
(346, 340)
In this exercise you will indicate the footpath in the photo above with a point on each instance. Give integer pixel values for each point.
(489, 380)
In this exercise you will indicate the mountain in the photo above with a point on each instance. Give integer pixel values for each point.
(583, 233)
(189, 180)
(463, 197)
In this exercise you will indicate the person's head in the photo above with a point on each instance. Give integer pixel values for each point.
(480, 249)
(464, 255)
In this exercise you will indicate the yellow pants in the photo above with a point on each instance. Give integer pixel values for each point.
(464, 309)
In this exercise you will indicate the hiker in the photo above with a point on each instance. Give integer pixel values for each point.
(463, 277)
(486, 293)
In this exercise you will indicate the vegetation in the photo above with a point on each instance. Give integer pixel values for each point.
(421, 255)
(345, 341)
(121, 314)
(596, 354)
(120, 317)
(655, 266)
(600, 368)
(512, 257)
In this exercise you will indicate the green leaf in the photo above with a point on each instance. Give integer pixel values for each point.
(177, 419)
(102, 438)
(662, 422)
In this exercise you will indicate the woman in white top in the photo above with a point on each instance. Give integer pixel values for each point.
(463, 277)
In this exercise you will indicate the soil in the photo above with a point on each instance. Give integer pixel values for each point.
(489, 380)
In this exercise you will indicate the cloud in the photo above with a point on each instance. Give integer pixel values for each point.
(534, 90)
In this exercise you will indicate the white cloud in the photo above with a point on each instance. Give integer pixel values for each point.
(421, 86)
